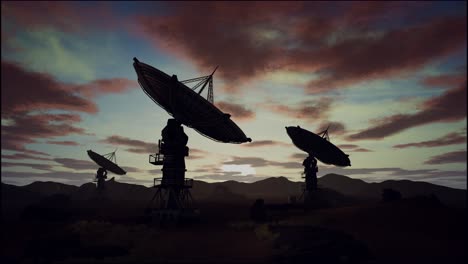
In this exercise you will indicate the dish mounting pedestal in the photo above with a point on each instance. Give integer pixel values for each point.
(310, 176)
(172, 200)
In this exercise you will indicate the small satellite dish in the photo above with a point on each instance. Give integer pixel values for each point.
(106, 161)
(318, 147)
(187, 106)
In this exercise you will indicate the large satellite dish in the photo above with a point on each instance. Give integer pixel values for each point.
(187, 106)
(318, 147)
(107, 162)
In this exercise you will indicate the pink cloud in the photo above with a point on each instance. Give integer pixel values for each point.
(264, 143)
(64, 143)
(106, 86)
(76, 164)
(46, 167)
(298, 156)
(343, 46)
(449, 139)
(236, 110)
(307, 110)
(358, 60)
(348, 146)
(368, 13)
(353, 148)
(448, 107)
(360, 150)
(229, 30)
(22, 156)
(334, 128)
(133, 145)
(444, 81)
(40, 126)
(450, 157)
(28, 128)
(24, 90)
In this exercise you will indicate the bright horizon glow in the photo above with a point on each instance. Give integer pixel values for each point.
(244, 169)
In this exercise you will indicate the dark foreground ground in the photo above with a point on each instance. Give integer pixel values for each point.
(405, 231)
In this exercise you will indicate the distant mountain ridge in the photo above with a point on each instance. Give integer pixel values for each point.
(407, 188)
(271, 189)
(50, 188)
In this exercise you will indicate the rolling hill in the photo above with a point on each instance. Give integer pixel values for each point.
(275, 189)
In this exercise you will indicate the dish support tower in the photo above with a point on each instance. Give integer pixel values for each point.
(310, 176)
(172, 199)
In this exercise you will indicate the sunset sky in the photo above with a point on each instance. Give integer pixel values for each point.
(388, 77)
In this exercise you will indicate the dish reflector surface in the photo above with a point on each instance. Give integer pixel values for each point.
(318, 147)
(105, 163)
(187, 106)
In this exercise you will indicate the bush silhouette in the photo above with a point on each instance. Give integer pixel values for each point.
(258, 211)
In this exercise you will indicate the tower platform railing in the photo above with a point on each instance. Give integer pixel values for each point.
(181, 183)
(156, 159)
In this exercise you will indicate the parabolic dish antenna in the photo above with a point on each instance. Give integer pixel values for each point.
(187, 106)
(105, 161)
(318, 147)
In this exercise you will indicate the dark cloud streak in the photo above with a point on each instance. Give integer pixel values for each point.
(133, 145)
(43, 92)
(264, 143)
(449, 139)
(344, 43)
(46, 167)
(22, 156)
(76, 164)
(63, 143)
(444, 80)
(450, 157)
(309, 111)
(237, 111)
(448, 107)
(364, 59)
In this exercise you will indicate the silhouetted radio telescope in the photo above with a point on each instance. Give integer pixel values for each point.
(107, 162)
(172, 197)
(318, 147)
